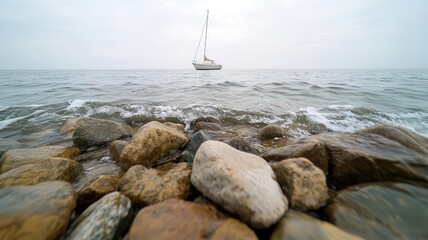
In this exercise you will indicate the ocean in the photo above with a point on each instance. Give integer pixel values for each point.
(35, 103)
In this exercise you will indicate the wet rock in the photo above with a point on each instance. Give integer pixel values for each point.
(69, 126)
(311, 148)
(102, 219)
(145, 186)
(18, 157)
(381, 211)
(178, 126)
(195, 142)
(177, 219)
(116, 148)
(303, 183)
(243, 145)
(212, 126)
(94, 132)
(271, 131)
(297, 225)
(49, 169)
(240, 182)
(40, 211)
(102, 186)
(152, 142)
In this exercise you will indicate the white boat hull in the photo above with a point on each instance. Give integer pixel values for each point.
(199, 66)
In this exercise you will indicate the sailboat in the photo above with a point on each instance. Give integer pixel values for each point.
(207, 64)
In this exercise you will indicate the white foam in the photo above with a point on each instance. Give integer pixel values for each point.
(75, 104)
(8, 121)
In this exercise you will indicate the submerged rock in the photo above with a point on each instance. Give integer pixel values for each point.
(145, 186)
(304, 184)
(49, 169)
(297, 225)
(102, 220)
(94, 132)
(195, 142)
(240, 182)
(69, 126)
(381, 211)
(177, 219)
(152, 142)
(271, 131)
(18, 157)
(40, 211)
(212, 126)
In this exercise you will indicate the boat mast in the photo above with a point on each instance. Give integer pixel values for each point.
(206, 34)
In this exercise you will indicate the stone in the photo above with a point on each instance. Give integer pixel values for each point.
(146, 186)
(208, 126)
(243, 145)
(49, 169)
(17, 157)
(69, 126)
(303, 183)
(383, 210)
(116, 148)
(178, 219)
(297, 225)
(103, 219)
(311, 148)
(271, 131)
(152, 142)
(102, 186)
(195, 142)
(40, 211)
(241, 183)
(95, 132)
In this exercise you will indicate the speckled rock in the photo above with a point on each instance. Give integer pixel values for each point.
(17, 157)
(40, 211)
(195, 142)
(152, 142)
(49, 169)
(94, 132)
(240, 182)
(382, 210)
(102, 186)
(145, 186)
(116, 148)
(271, 131)
(102, 219)
(303, 183)
(297, 225)
(181, 220)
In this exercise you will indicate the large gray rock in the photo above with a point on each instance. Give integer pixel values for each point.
(240, 182)
(192, 147)
(145, 186)
(381, 211)
(94, 132)
(303, 183)
(297, 225)
(102, 219)
(152, 142)
(40, 211)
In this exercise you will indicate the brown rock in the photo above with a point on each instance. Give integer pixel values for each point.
(103, 185)
(243, 145)
(40, 211)
(208, 126)
(50, 169)
(177, 219)
(116, 148)
(152, 142)
(68, 126)
(303, 183)
(145, 186)
(271, 131)
(17, 157)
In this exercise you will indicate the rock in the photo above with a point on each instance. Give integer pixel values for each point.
(116, 148)
(102, 219)
(69, 126)
(195, 142)
(369, 156)
(271, 131)
(18, 157)
(241, 144)
(178, 126)
(381, 211)
(49, 169)
(152, 142)
(303, 183)
(240, 182)
(297, 225)
(94, 132)
(311, 148)
(40, 211)
(177, 219)
(145, 186)
(102, 186)
(208, 126)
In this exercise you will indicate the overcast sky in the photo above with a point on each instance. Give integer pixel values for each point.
(242, 33)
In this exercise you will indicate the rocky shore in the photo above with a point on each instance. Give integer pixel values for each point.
(159, 181)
